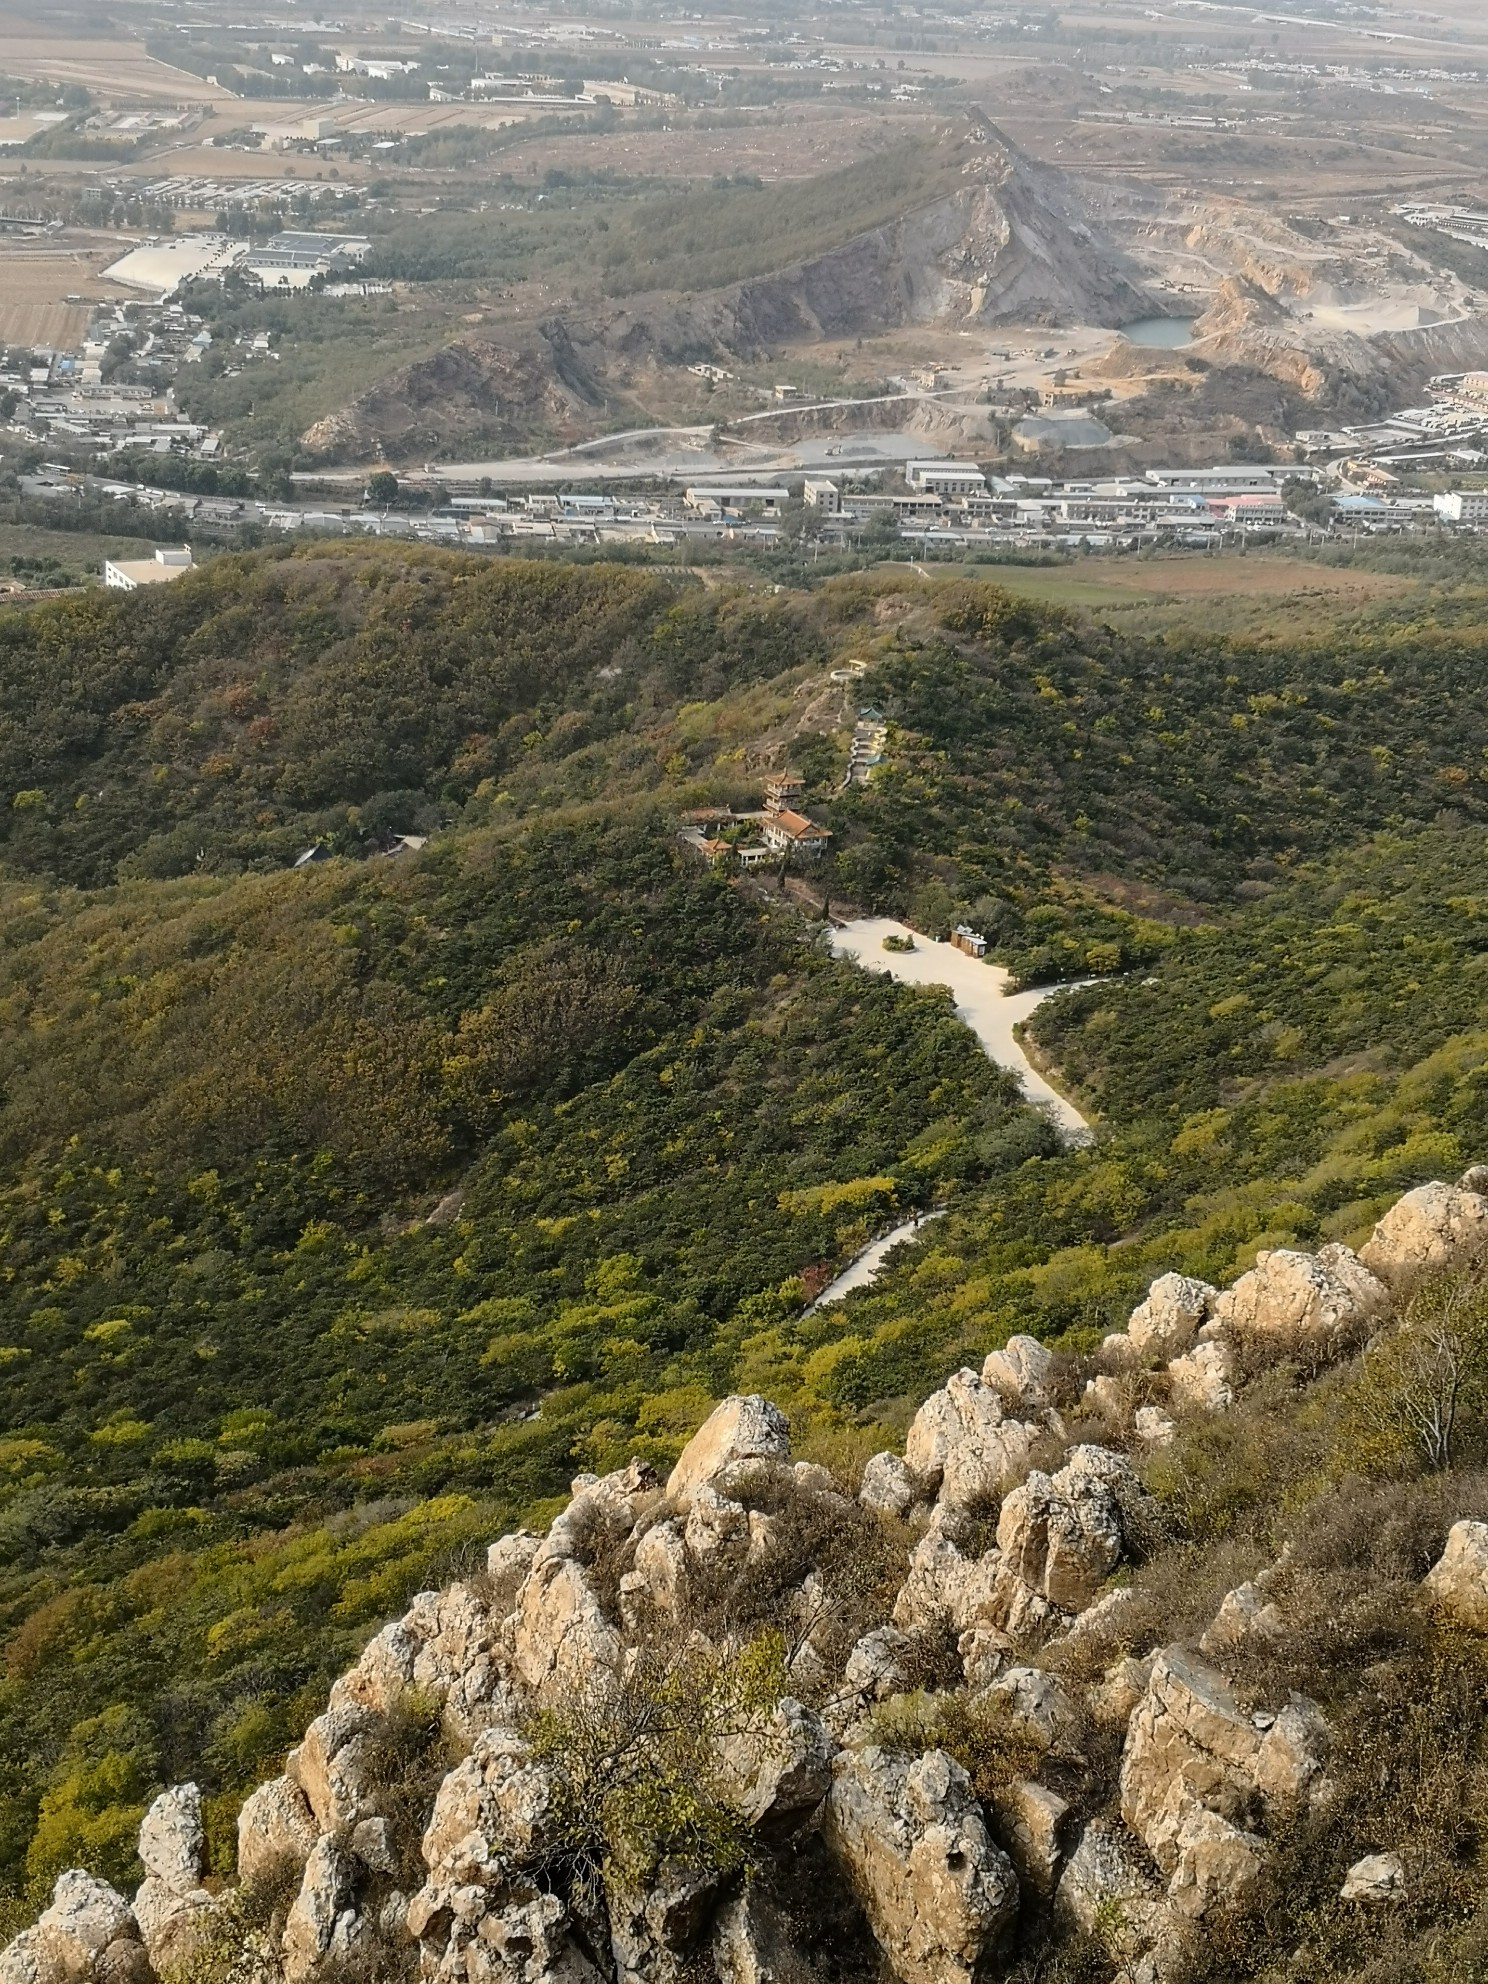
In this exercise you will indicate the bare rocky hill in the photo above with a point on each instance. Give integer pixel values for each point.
(1011, 244)
(976, 1718)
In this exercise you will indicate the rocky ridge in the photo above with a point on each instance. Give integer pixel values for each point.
(695, 1731)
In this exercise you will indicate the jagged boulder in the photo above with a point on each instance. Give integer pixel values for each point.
(329, 1764)
(1214, 1862)
(497, 1806)
(1062, 1534)
(562, 1640)
(778, 1770)
(1018, 1373)
(85, 1918)
(1434, 1227)
(1458, 1580)
(1244, 1614)
(1204, 1379)
(962, 1445)
(887, 1486)
(1153, 1427)
(171, 1906)
(1107, 1891)
(1303, 1301)
(937, 1892)
(276, 1828)
(321, 1921)
(752, 1944)
(1289, 1769)
(946, 1586)
(1033, 1707)
(1030, 1822)
(1188, 1743)
(1165, 1324)
(741, 1429)
(524, 1937)
(1378, 1877)
(656, 1586)
(654, 1929)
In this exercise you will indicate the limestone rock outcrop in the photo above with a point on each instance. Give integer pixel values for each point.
(937, 1891)
(962, 1446)
(1378, 1877)
(1302, 1300)
(741, 1430)
(967, 1581)
(1434, 1227)
(1458, 1580)
(171, 1907)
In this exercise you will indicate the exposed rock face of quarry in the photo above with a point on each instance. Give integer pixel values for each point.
(702, 1728)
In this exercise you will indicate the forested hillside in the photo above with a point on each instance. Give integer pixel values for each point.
(349, 1211)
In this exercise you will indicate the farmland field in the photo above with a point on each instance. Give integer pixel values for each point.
(35, 284)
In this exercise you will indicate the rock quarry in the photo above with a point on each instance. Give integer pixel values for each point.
(703, 1729)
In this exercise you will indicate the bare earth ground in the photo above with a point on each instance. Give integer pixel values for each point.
(35, 285)
(113, 68)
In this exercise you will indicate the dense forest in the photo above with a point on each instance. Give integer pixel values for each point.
(347, 1211)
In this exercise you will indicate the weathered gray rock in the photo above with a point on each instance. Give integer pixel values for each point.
(1018, 1372)
(1244, 1614)
(717, 1528)
(1030, 1823)
(1204, 1379)
(752, 1944)
(562, 1642)
(1061, 1534)
(1458, 1580)
(984, 1652)
(654, 1931)
(1377, 1878)
(171, 1907)
(172, 1842)
(276, 1828)
(1095, 1633)
(318, 1909)
(84, 1916)
(656, 1588)
(26, 1961)
(1214, 1862)
(1153, 1427)
(1033, 1707)
(372, 1845)
(384, 1671)
(875, 1667)
(173, 1925)
(329, 1765)
(887, 1486)
(962, 1445)
(1290, 1764)
(1106, 1891)
(523, 1937)
(126, 1962)
(1165, 1324)
(781, 1768)
(943, 1586)
(1434, 1227)
(498, 1804)
(509, 1558)
(741, 1429)
(1188, 1743)
(937, 1892)
(1119, 1689)
(1303, 1301)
